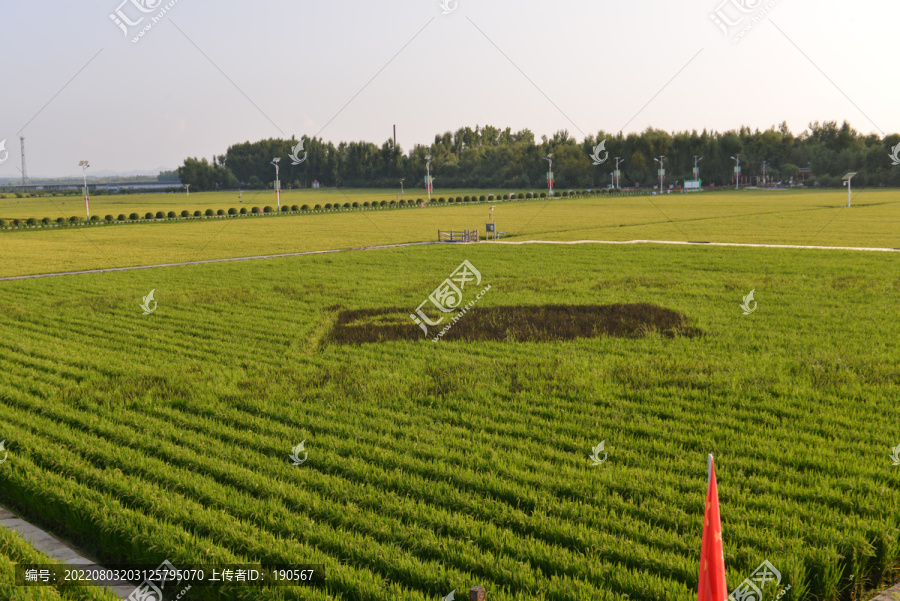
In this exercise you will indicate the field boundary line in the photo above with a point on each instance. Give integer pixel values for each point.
(320, 252)
(205, 261)
(750, 245)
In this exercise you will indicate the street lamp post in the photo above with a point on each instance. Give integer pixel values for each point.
(847, 179)
(697, 159)
(662, 172)
(401, 186)
(549, 159)
(275, 162)
(618, 175)
(428, 184)
(765, 179)
(737, 171)
(87, 201)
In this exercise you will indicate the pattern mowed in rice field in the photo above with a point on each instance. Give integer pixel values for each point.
(439, 466)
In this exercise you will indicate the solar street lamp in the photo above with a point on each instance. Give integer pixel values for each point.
(428, 183)
(662, 171)
(549, 159)
(737, 171)
(275, 162)
(87, 201)
(847, 179)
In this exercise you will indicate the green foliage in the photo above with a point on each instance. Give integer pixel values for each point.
(442, 199)
(295, 208)
(327, 206)
(482, 198)
(198, 213)
(185, 213)
(74, 219)
(109, 218)
(254, 210)
(346, 205)
(243, 210)
(94, 218)
(304, 208)
(466, 199)
(209, 213)
(154, 458)
(3, 222)
(318, 207)
(148, 215)
(383, 203)
(171, 215)
(160, 215)
(60, 220)
(232, 211)
(31, 221)
(220, 212)
(355, 205)
(543, 195)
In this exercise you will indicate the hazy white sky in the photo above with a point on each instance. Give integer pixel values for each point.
(212, 73)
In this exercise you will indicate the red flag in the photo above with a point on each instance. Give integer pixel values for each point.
(711, 585)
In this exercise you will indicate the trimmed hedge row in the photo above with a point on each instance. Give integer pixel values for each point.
(186, 214)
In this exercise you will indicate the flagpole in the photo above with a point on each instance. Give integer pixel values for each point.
(709, 470)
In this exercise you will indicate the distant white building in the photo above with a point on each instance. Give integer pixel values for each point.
(316, 184)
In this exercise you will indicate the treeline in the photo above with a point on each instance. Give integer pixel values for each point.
(488, 157)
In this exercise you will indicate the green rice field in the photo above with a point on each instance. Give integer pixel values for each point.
(764, 217)
(437, 466)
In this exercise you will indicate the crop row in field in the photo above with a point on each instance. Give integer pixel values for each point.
(435, 467)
